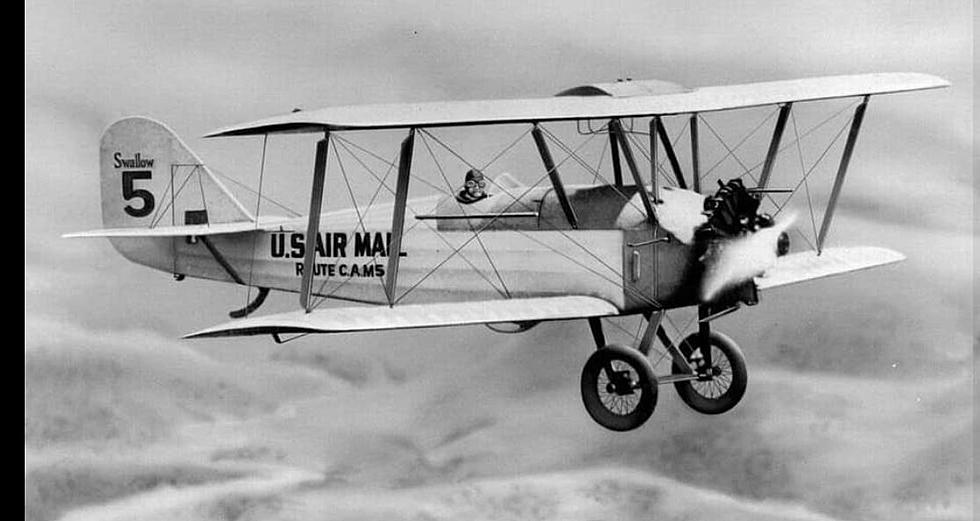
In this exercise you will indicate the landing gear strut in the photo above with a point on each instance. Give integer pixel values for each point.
(619, 386)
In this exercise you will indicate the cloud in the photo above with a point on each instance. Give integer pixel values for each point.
(132, 386)
(52, 489)
(588, 494)
(505, 408)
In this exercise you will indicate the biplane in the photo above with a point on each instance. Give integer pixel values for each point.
(652, 237)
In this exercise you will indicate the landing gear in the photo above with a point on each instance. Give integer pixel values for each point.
(720, 383)
(619, 388)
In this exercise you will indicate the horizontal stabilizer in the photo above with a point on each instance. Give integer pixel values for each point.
(444, 314)
(807, 265)
(267, 224)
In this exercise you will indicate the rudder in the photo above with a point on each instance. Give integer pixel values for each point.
(150, 178)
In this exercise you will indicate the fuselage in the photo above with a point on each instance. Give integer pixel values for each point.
(456, 251)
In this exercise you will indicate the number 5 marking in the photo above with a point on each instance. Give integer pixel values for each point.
(128, 177)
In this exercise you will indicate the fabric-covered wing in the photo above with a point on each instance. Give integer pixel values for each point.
(704, 99)
(377, 318)
(804, 266)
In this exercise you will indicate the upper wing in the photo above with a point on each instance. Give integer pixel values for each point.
(376, 318)
(803, 266)
(571, 107)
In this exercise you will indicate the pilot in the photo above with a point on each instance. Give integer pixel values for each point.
(475, 188)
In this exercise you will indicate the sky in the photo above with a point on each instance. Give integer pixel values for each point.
(854, 382)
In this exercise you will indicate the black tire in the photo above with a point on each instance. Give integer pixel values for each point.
(632, 405)
(722, 392)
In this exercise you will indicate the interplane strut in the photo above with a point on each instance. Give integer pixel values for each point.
(661, 131)
(398, 217)
(777, 135)
(695, 155)
(313, 224)
(556, 183)
(842, 171)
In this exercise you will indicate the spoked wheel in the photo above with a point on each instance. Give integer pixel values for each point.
(619, 388)
(718, 388)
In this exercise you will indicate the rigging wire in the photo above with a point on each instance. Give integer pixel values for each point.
(504, 151)
(488, 223)
(808, 132)
(163, 211)
(379, 158)
(506, 292)
(383, 184)
(643, 150)
(498, 186)
(754, 180)
(200, 184)
(602, 155)
(646, 155)
(737, 145)
(815, 164)
(343, 172)
(341, 142)
(571, 154)
(574, 155)
(806, 184)
(562, 232)
(588, 167)
(796, 142)
(360, 219)
(252, 191)
(170, 186)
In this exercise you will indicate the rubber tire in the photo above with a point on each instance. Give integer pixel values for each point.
(736, 390)
(647, 384)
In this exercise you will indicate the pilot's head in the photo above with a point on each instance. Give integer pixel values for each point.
(476, 184)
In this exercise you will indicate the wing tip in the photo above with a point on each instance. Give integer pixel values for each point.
(211, 332)
(261, 127)
(884, 255)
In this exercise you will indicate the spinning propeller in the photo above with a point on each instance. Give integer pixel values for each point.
(739, 243)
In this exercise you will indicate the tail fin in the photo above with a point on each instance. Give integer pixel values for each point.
(150, 178)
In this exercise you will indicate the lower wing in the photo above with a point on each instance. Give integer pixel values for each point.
(809, 265)
(377, 318)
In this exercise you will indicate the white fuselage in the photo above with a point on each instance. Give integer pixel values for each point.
(351, 260)
(456, 252)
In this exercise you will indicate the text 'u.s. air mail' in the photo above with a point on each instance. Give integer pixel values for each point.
(336, 245)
